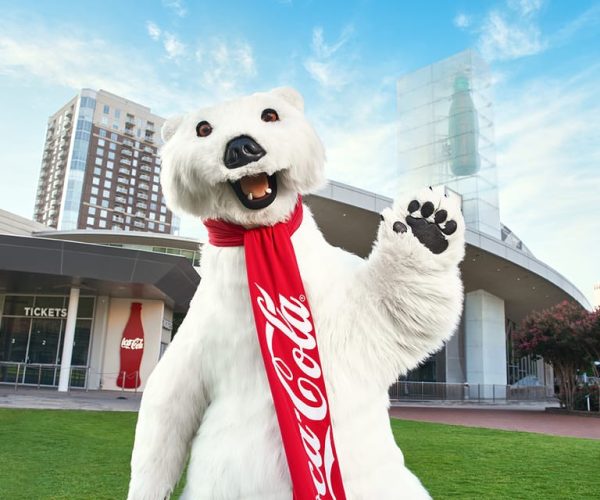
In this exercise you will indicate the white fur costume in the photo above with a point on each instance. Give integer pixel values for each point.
(374, 319)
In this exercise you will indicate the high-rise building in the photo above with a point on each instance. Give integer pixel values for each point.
(100, 168)
(446, 135)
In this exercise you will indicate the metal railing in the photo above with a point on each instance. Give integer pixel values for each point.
(403, 390)
(42, 375)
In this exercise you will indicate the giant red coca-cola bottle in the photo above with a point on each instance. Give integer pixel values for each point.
(132, 349)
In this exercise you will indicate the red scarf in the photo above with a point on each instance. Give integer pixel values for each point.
(288, 344)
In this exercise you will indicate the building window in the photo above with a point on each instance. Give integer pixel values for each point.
(151, 225)
(115, 126)
(90, 221)
(163, 218)
(95, 181)
(91, 210)
(110, 165)
(114, 137)
(105, 203)
(107, 184)
(112, 146)
(106, 193)
(108, 174)
(155, 188)
(103, 214)
(101, 142)
(98, 161)
(93, 200)
(111, 155)
(102, 133)
(161, 227)
(106, 109)
(152, 206)
(154, 197)
(99, 152)
(94, 190)
(102, 223)
(104, 120)
(117, 113)
(163, 209)
(97, 171)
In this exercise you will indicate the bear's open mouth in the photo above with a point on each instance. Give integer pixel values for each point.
(256, 191)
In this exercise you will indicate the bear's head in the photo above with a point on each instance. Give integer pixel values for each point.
(243, 161)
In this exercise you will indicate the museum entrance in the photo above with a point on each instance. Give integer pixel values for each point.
(32, 336)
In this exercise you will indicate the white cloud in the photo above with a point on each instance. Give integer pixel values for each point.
(224, 66)
(173, 46)
(177, 6)
(548, 157)
(501, 39)
(525, 7)
(325, 64)
(462, 21)
(153, 30)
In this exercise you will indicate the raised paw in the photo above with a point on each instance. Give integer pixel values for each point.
(430, 219)
(431, 233)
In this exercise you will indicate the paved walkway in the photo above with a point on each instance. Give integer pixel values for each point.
(511, 418)
(514, 417)
(51, 399)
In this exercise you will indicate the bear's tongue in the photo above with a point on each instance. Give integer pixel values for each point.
(255, 186)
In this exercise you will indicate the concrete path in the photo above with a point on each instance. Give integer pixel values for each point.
(527, 417)
(51, 399)
(522, 418)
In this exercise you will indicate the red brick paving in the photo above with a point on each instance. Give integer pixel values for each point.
(537, 421)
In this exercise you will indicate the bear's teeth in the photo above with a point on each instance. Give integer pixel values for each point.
(268, 190)
(250, 197)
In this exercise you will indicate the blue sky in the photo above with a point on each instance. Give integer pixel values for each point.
(344, 57)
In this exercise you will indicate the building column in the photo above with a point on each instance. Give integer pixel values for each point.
(485, 342)
(67, 352)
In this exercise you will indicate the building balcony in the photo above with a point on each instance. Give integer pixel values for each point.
(125, 161)
(149, 139)
(123, 170)
(126, 152)
(143, 186)
(121, 189)
(128, 132)
(123, 180)
(146, 159)
(120, 199)
(144, 177)
(141, 205)
(145, 168)
(139, 224)
(119, 208)
(142, 196)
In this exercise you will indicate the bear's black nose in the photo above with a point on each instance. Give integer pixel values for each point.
(242, 150)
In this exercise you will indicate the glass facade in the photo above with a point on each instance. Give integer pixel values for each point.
(446, 135)
(72, 201)
(32, 335)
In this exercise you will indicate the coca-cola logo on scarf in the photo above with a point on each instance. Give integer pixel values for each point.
(300, 379)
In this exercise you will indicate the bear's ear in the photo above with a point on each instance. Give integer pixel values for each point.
(170, 127)
(290, 95)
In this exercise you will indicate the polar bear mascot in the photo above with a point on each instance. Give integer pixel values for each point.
(276, 384)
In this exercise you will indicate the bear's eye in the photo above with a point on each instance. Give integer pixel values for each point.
(203, 129)
(269, 115)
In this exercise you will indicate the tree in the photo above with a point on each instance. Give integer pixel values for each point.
(563, 336)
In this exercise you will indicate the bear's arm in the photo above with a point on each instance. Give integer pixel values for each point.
(172, 407)
(405, 300)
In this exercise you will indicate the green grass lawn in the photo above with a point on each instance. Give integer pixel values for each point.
(85, 455)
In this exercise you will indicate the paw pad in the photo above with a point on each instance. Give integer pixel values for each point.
(430, 234)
